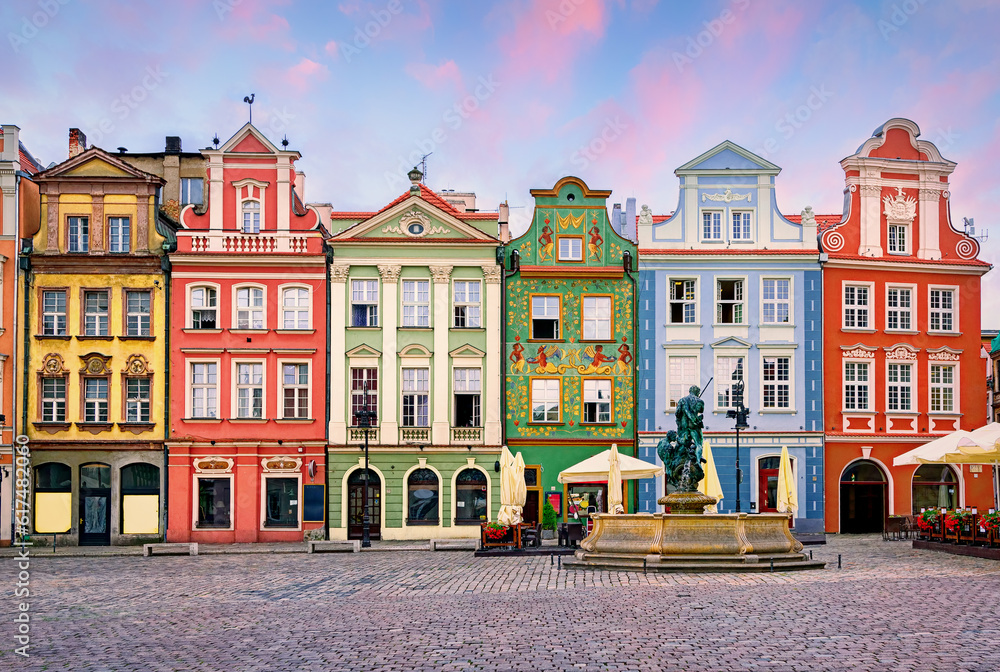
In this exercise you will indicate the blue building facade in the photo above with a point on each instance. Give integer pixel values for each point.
(730, 289)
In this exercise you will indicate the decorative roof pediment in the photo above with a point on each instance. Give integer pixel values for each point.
(249, 140)
(467, 351)
(728, 155)
(413, 220)
(363, 351)
(415, 350)
(97, 164)
(731, 342)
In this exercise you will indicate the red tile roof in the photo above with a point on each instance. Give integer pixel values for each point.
(351, 215)
(912, 260)
(820, 219)
(724, 250)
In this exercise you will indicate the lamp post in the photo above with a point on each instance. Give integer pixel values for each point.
(739, 413)
(365, 417)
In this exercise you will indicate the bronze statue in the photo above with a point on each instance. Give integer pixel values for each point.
(681, 450)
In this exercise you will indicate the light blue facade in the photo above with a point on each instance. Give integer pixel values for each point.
(727, 284)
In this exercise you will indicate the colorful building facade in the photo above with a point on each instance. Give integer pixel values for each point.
(248, 340)
(415, 329)
(95, 350)
(730, 291)
(901, 316)
(569, 343)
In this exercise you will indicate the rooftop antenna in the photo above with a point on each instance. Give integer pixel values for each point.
(970, 230)
(423, 167)
(249, 101)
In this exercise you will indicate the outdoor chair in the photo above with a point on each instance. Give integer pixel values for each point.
(531, 536)
(893, 530)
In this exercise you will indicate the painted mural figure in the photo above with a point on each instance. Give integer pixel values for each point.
(624, 358)
(517, 356)
(542, 360)
(596, 241)
(599, 362)
(545, 244)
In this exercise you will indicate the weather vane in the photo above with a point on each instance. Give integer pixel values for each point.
(249, 101)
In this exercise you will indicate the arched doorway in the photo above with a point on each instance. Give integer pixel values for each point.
(863, 498)
(355, 504)
(95, 505)
(934, 486)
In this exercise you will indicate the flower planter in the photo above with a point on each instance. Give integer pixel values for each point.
(511, 537)
(967, 530)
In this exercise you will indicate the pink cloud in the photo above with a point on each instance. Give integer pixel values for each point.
(250, 20)
(436, 77)
(302, 75)
(332, 49)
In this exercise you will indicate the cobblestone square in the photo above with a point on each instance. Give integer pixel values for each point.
(888, 608)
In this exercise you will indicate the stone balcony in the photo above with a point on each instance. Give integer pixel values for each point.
(356, 435)
(414, 435)
(467, 435)
(249, 243)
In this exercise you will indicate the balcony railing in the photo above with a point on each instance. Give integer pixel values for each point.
(467, 435)
(414, 434)
(234, 241)
(357, 435)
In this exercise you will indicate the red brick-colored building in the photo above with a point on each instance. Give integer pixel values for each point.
(248, 337)
(901, 294)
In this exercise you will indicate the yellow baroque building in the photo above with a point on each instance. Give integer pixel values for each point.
(95, 351)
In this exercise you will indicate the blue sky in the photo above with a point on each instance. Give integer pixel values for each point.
(511, 96)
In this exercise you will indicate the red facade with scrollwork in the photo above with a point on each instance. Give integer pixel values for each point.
(901, 293)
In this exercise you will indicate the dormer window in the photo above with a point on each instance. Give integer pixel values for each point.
(741, 225)
(251, 217)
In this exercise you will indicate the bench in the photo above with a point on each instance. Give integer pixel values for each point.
(334, 546)
(176, 548)
(454, 544)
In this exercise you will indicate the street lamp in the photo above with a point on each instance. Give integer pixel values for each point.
(739, 413)
(365, 417)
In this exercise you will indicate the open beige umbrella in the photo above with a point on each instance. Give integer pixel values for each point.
(615, 482)
(788, 499)
(520, 488)
(710, 485)
(508, 485)
(979, 446)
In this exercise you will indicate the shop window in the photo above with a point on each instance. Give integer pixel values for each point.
(214, 502)
(140, 488)
(281, 500)
(470, 496)
(422, 488)
(53, 498)
(934, 486)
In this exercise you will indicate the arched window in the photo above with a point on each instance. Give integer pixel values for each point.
(204, 308)
(251, 217)
(140, 488)
(934, 486)
(863, 471)
(53, 498)
(422, 489)
(470, 496)
(295, 308)
(250, 308)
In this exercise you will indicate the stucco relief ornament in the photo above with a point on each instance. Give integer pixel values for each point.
(901, 352)
(899, 208)
(389, 272)
(95, 365)
(137, 365)
(808, 217)
(53, 364)
(860, 353)
(492, 274)
(944, 356)
(441, 274)
(645, 216)
(728, 197)
(340, 272)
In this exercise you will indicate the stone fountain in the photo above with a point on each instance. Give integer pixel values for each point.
(687, 538)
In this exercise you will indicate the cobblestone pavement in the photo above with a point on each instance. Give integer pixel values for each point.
(889, 608)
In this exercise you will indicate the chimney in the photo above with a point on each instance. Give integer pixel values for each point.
(77, 142)
(173, 145)
(503, 231)
(300, 185)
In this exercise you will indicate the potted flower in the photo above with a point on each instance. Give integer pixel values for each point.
(990, 522)
(495, 534)
(928, 521)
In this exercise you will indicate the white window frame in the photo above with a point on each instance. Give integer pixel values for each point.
(892, 241)
(569, 256)
(776, 301)
(264, 477)
(746, 226)
(189, 388)
(910, 311)
(596, 384)
(60, 320)
(717, 225)
(78, 243)
(138, 315)
(776, 355)
(545, 316)
(307, 386)
(191, 307)
(414, 392)
(724, 381)
(373, 395)
(236, 386)
(249, 308)
(953, 386)
(414, 320)
(597, 320)
(869, 306)
(195, 495)
(678, 377)
(99, 403)
(139, 401)
(250, 214)
(467, 391)
(869, 385)
(953, 311)
(911, 386)
(250, 183)
(470, 306)
(740, 303)
(684, 303)
(53, 403)
(296, 309)
(105, 314)
(367, 302)
(119, 236)
(546, 393)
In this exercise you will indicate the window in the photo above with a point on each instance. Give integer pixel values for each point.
(898, 238)
(729, 302)
(898, 308)
(204, 308)
(137, 400)
(545, 313)
(95, 399)
(416, 303)
(545, 400)
(95, 313)
(118, 234)
(54, 313)
(855, 307)
(597, 401)
(191, 190)
(942, 310)
(251, 217)
(777, 382)
(683, 374)
(777, 298)
(359, 379)
(856, 381)
(711, 225)
(900, 387)
(943, 388)
(249, 390)
(54, 399)
(140, 489)
(468, 389)
(741, 225)
(250, 308)
(467, 304)
(470, 496)
(79, 234)
(728, 371)
(137, 315)
(281, 502)
(364, 303)
(597, 318)
(295, 390)
(570, 248)
(682, 301)
(416, 396)
(214, 502)
(422, 496)
(295, 308)
(934, 486)
(53, 498)
(204, 382)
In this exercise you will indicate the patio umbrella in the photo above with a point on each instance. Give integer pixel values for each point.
(788, 500)
(710, 485)
(508, 485)
(520, 487)
(960, 447)
(615, 482)
(596, 467)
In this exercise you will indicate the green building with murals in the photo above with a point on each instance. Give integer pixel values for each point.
(569, 344)
(415, 328)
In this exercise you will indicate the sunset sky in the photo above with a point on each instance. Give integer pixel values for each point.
(511, 96)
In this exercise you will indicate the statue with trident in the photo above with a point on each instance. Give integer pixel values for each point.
(681, 450)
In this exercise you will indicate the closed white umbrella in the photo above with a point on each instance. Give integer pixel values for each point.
(788, 500)
(520, 488)
(508, 485)
(710, 485)
(615, 482)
